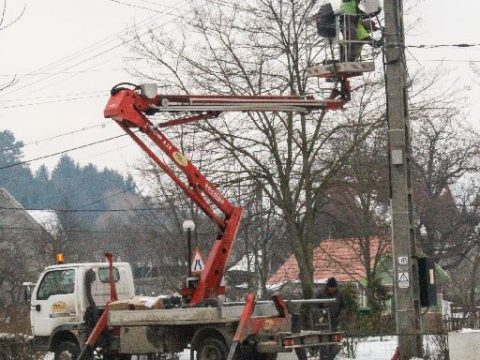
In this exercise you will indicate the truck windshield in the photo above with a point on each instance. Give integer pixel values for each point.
(56, 282)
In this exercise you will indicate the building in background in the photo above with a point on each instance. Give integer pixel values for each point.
(25, 248)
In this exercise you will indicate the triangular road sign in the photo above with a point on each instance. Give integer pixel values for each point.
(197, 262)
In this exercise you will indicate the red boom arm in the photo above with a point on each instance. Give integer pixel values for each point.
(129, 109)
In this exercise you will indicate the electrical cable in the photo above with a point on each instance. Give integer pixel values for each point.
(63, 72)
(75, 55)
(58, 153)
(140, 7)
(453, 60)
(54, 96)
(82, 210)
(101, 43)
(106, 51)
(51, 101)
(4, 10)
(42, 229)
(35, 142)
(107, 197)
(62, 152)
(434, 46)
(108, 151)
(93, 46)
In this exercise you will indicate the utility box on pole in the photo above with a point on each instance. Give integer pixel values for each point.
(427, 282)
(406, 287)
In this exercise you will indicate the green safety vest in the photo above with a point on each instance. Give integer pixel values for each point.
(362, 32)
(350, 8)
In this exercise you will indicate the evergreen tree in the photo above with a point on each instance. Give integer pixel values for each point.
(42, 189)
(16, 179)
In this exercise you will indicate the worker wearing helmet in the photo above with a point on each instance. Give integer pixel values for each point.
(354, 29)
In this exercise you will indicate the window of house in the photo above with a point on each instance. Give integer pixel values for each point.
(56, 282)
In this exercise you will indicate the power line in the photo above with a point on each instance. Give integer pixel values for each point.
(62, 72)
(42, 229)
(36, 142)
(157, 4)
(88, 49)
(14, 90)
(453, 60)
(97, 45)
(62, 152)
(139, 7)
(52, 101)
(83, 210)
(79, 147)
(434, 46)
(56, 96)
(107, 41)
(108, 151)
(106, 197)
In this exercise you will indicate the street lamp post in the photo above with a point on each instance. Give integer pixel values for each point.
(188, 227)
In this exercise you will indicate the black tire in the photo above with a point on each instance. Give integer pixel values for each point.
(117, 357)
(249, 352)
(67, 350)
(212, 349)
(259, 356)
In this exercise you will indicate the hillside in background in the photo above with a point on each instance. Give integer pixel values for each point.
(68, 186)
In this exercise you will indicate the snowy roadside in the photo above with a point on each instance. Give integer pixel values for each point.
(371, 348)
(367, 349)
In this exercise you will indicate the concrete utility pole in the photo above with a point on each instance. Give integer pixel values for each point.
(406, 288)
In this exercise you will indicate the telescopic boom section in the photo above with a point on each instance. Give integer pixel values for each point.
(129, 109)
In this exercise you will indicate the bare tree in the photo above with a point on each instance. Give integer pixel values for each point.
(253, 48)
(356, 211)
(447, 153)
(4, 25)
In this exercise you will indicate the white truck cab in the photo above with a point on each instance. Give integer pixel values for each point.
(60, 301)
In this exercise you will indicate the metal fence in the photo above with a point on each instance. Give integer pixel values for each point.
(458, 322)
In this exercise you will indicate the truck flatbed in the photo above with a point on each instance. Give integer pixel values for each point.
(185, 316)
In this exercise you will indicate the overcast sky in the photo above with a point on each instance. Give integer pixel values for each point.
(67, 54)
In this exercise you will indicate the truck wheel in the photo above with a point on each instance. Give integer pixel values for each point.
(67, 350)
(249, 352)
(212, 349)
(117, 357)
(259, 356)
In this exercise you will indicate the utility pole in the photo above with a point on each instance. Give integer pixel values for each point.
(406, 288)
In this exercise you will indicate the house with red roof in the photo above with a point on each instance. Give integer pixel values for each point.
(345, 259)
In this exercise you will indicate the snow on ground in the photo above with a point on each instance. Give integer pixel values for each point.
(374, 348)
(468, 331)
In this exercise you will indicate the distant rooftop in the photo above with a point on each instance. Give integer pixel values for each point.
(337, 257)
(47, 219)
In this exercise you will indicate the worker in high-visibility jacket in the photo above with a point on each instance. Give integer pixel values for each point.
(354, 30)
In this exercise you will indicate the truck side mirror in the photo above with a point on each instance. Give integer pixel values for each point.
(27, 294)
(27, 291)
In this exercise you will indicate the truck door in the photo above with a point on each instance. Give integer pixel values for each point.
(54, 301)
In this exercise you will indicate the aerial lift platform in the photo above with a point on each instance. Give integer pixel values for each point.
(203, 322)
